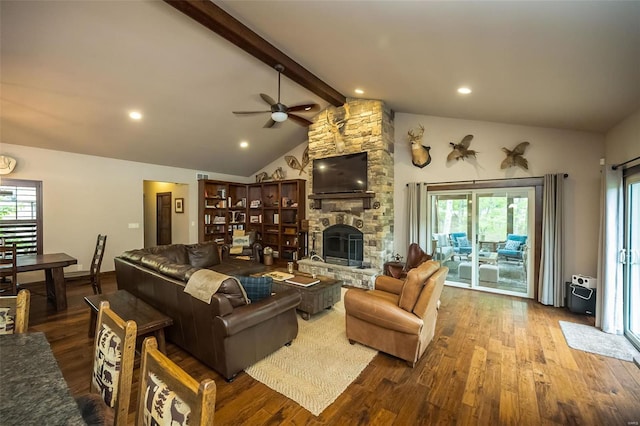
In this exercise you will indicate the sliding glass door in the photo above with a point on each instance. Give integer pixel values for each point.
(632, 259)
(484, 236)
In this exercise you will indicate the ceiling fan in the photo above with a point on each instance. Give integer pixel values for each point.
(279, 111)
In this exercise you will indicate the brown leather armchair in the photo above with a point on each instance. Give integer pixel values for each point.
(398, 317)
(415, 256)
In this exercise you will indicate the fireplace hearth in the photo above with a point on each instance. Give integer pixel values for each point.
(343, 245)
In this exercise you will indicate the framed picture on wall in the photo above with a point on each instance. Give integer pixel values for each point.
(179, 206)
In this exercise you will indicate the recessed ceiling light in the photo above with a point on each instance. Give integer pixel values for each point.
(359, 91)
(135, 115)
(308, 108)
(244, 144)
(464, 90)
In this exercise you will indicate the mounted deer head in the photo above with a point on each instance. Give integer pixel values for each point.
(338, 126)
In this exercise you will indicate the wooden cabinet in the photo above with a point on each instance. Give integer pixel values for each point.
(274, 210)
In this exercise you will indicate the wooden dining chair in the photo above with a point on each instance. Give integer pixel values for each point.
(8, 267)
(168, 395)
(92, 276)
(14, 313)
(112, 373)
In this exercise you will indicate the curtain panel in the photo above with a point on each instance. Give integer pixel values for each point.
(550, 283)
(609, 301)
(417, 215)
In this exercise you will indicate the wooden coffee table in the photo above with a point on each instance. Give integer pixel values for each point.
(129, 307)
(316, 297)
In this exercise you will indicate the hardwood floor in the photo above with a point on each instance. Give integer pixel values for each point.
(494, 360)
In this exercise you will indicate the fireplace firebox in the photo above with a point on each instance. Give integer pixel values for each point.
(342, 245)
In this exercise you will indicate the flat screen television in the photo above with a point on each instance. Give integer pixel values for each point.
(344, 173)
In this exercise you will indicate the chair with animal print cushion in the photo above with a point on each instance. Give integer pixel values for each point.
(168, 395)
(14, 313)
(111, 377)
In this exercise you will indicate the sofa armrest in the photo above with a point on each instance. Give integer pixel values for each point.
(389, 284)
(224, 251)
(247, 316)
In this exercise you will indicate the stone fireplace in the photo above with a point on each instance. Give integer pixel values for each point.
(359, 126)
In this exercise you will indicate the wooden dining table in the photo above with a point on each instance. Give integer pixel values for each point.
(52, 265)
(32, 388)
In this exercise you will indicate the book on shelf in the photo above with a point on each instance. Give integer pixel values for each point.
(278, 276)
(276, 218)
(302, 281)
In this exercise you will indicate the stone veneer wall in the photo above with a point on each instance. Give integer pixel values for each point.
(369, 128)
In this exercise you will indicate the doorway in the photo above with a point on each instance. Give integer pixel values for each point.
(163, 218)
(484, 236)
(631, 266)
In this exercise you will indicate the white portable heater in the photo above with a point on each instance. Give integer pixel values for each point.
(584, 281)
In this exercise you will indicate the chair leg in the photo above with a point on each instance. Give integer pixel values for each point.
(96, 285)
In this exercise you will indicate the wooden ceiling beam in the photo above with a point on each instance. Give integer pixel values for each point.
(217, 20)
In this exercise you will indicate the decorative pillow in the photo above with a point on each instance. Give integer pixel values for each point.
(162, 406)
(463, 242)
(7, 325)
(106, 370)
(512, 245)
(257, 288)
(241, 241)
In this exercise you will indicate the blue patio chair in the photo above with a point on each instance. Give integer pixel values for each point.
(460, 243)
(513, 248)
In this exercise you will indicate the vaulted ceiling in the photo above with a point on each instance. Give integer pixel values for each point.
(71, 71)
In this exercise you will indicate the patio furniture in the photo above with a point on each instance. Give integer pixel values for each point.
(464, 270)
(460, 243)
(513, 247)
(441, 248)
(488, 273)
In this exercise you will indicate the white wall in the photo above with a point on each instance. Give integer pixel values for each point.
(623, 141)
(551, 151)
(85, 195)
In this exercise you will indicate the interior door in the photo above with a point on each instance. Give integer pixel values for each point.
(163, 218)
(631, 259)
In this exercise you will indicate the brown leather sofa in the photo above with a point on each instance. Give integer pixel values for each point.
(228, 334)
(399, 316)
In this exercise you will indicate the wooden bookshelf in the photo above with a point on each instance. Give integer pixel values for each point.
(275, 210)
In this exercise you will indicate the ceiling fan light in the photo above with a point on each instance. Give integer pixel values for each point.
(279, 116)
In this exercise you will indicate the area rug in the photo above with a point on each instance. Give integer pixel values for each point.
(590, 339)
(319, 365)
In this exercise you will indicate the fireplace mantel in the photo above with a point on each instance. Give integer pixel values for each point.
(365, 196)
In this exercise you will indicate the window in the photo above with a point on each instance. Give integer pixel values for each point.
(21, 214)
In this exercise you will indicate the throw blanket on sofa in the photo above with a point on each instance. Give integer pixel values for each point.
(204, 283)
